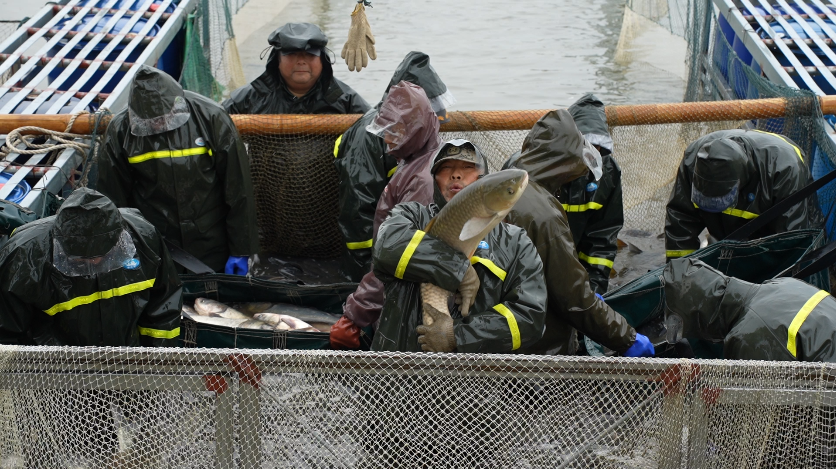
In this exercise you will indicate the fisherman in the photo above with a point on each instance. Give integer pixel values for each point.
(553, 152)
(178, 158)
(593, 202)
(408, 125)
(298, 79)
(510, 304)
(781, 319)
(92, 275)
(729, 177)
(364, 167)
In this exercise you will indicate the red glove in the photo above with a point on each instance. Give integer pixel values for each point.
(345, 335)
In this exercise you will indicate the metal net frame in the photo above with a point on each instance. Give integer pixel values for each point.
(135, 407)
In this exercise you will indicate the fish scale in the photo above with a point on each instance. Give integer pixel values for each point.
(488, 197)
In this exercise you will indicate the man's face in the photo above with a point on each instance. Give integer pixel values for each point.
(454, 175)
(300, 69)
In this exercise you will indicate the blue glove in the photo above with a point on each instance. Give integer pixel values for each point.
(600, 297)
(640, 348)
(236, 265)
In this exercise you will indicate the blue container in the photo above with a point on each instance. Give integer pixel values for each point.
(723, 38)
(802, 57)
(129, 5)
(19, 192)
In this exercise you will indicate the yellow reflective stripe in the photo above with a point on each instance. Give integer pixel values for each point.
(359, 244)
(13, 232)
(392, 171)
(680, 253)
(100, 295)
(595, 260)
(736, 213)
(407, 253)
(490, 265)
(169, 154)
(797, 150)
(582, 208)
(800, 317)
(337, 145)
(512, 324)
(159, 334)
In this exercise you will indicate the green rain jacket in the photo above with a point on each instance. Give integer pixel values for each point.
(268, 94)
(509, 310)
(193, 183)
(364, 169)
(552, 155)
(776, 168)
(782, 319)
(138, 304)
(595, 208)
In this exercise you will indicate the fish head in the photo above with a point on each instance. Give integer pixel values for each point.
(501, 190)
(208, 306)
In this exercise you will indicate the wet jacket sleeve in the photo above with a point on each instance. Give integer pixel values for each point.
(234, 164)
(598, 245)
(405, 252)
(519, 319)
(683, 223)
(159, 323)
(114, 180)
(356, 104)
(785, 183)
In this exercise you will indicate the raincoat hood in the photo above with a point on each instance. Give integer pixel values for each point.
(708, 302)
(406, 111)
(156, 103)
(553, 151)
(415, 68)
(298, 37)
(720, 165)
(88, 224)
(589, 116)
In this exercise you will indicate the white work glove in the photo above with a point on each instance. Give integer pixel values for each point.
(360, 44)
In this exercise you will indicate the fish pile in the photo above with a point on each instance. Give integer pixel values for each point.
(260, 316)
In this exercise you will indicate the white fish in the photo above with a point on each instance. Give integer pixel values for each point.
(285, 322)
(207, 307)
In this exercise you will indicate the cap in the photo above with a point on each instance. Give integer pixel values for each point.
(298, 37)
(458, 149)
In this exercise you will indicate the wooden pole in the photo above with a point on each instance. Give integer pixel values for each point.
(465, 121)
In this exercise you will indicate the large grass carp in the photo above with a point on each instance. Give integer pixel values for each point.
(466, 220)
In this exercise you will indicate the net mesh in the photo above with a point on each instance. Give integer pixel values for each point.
(66, 407)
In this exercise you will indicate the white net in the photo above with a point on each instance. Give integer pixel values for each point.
(85, 407)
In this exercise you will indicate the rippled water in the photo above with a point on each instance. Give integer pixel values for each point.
(498, 54)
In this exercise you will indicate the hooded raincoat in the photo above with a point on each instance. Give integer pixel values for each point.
(775, 167)
(595, 208)
(364, 168)
(268, 94)
(406, 103)
(137, 303)
(782, 319)
(509, 311)
(192, 182)
(551, 154)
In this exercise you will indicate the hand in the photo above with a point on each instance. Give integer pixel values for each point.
(360, 44)
(467, 289)
(345, 335)
(437, 337)
(640, 348)
(237, 265)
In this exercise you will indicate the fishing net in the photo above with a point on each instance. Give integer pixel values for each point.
(199, 408)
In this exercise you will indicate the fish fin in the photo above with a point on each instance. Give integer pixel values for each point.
(429, 225)
(474, 226)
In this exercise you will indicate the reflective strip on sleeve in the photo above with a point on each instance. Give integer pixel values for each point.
(797, 150)
(100, 295)
(582, 208)
(360, 244)
(407, 253)
(595, 260)
(736, 213)
(337, 145)
(800, 317)
(680, 253)
(159, 334)
(495, 269)
(169, 154)
(512, 324)
(392, 171)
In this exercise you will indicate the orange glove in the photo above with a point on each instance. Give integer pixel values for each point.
(345, 335)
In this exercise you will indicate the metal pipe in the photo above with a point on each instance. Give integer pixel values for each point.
(82, 63)
(110, 11)
(123, 38)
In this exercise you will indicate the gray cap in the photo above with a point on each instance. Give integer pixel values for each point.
(298, 37)
(458, 149)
